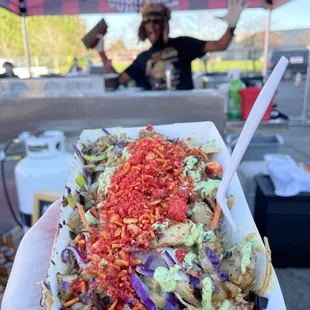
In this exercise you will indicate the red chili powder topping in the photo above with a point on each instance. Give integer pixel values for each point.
(146, 189)
(180, 254)
(149, 127)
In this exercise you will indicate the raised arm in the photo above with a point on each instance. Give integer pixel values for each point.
(235, 9)
(221, 44)
(124, 78)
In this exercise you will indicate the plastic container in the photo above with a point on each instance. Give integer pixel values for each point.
(248, 97)
(234, 98)
(45, 168)
(260, 145)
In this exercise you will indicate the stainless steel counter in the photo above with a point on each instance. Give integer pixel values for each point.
(123, 108)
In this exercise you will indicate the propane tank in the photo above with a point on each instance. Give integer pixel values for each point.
(46, 167)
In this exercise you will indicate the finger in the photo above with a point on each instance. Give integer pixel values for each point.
(51, 217)
(229, 5)
(47, 225)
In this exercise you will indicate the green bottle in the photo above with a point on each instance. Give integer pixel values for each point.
(234, 99)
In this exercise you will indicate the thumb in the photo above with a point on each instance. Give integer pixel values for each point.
(47, 224)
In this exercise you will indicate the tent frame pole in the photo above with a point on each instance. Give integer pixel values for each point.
(26, 43)
(266, 44)
(306, 94)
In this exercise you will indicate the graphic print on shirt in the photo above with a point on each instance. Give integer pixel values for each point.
(160, 65)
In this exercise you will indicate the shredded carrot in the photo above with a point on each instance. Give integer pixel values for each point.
(121, 262)
(171, 186)
(157, 211)
(118, 232)
(159, 153)
(123, 234)
(83, 287)
(152, 234)
(156, 202)
(180, 178)
(216, 216)
(77, 239)
(71, 302)
(122, 273)
(113, 305)
(205, 156)
(82, 215)
(130, 220)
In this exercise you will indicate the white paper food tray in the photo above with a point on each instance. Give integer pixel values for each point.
(201, 132)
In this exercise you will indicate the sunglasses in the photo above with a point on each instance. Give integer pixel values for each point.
(157, 21)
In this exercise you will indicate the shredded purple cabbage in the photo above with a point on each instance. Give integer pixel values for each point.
(224, 276)
(172, 302)
(64, 286)
(142, 292)
(145, 271)
(195, 282)
(227, 255)
(77, 254)
(48, 287)
(130, 302)
(213, 258)
(168, 258)
(79, 154)
(106, 132)
(149, 261)
(68, 190)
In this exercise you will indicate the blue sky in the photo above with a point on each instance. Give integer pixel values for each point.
(290, 16)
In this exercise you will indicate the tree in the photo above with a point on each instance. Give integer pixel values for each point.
(304, 38)
(118, 46)
(11, 43)
(56, 36)
(53, 36)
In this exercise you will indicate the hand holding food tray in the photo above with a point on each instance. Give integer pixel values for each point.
(137, 233)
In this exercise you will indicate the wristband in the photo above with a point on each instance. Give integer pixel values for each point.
(232, 30)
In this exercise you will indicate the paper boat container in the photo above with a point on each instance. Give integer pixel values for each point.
(201, 132)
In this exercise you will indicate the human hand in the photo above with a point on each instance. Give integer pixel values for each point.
(235, 8)
(99, 46)
(31, 263)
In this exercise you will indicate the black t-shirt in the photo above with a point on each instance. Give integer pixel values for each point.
(149, 68)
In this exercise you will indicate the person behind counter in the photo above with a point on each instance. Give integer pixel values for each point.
(9, 72)
(170, 56)
(75, 69)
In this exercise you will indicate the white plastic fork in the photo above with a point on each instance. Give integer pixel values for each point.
(260, 106)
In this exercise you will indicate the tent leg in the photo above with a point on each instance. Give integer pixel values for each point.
(306, 95)
(266, 45)
(26, 43)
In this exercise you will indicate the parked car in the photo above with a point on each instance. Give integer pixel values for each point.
(298, 61)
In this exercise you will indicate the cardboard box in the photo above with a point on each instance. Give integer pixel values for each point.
(200, 132)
